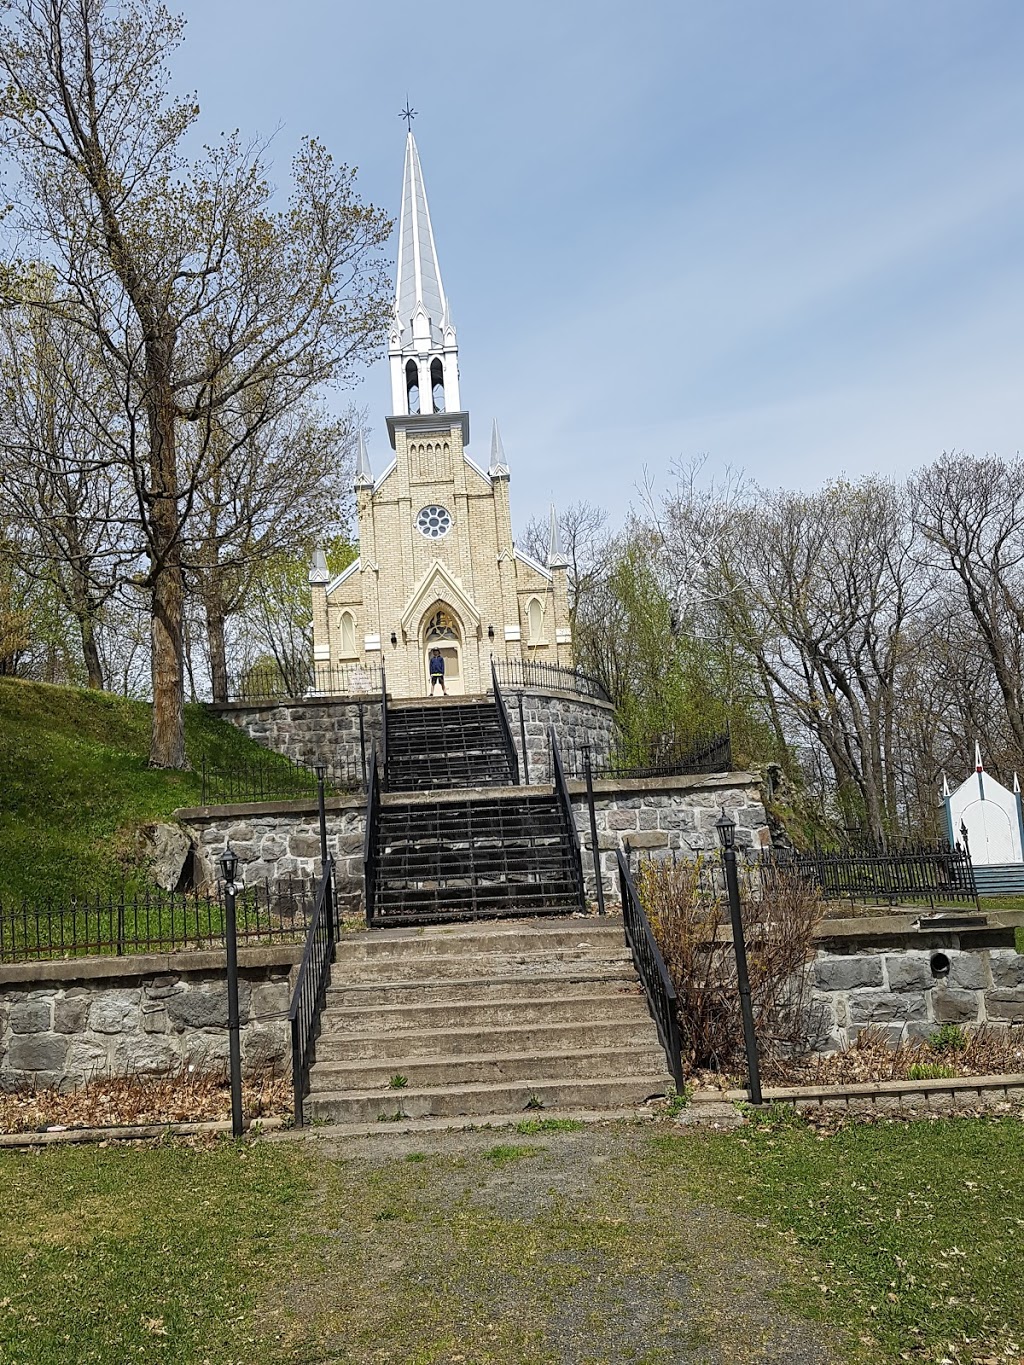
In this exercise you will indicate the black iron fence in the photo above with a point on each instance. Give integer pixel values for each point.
(506, 729)
(698, 754)
(270, 682)
(526, 673)
(653, 973)
(151, 921)
(274, 778)
(311, 985)
(371, 839)
(565, 803)
(934, 873)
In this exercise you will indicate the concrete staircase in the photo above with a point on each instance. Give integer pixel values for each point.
(484, 1020)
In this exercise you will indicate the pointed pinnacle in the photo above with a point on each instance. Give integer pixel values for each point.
(499, 464)
(556, 555)
(364, 474)
(318, 570)
(978, 765)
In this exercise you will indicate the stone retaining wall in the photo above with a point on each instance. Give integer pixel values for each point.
(578, 723)
(908, 993)
(310, 731)
(655, 815)
(64, 1023)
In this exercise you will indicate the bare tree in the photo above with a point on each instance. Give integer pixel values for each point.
(182, 275)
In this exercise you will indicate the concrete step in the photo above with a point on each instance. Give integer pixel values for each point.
(486, 1069)
(374, 1020)
(480, 938)
(530, 1098)
(443, 1044)
(570, 980)
(479, 967)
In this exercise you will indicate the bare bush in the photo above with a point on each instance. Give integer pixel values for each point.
(686, 907)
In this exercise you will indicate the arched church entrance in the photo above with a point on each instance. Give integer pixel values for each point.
(442, 630)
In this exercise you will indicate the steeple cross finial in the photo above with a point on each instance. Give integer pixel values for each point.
(408, 113)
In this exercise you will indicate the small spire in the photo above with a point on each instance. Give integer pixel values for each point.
(978, 765)
(318, 570)
(1016, 784)
(364, 474)
(556, 555)
(499, 465)
(945, 783)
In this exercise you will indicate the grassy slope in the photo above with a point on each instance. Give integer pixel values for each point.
(75, 785)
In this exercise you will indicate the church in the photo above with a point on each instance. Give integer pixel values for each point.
(438, 566)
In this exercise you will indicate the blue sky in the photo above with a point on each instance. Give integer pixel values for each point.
(787, 236)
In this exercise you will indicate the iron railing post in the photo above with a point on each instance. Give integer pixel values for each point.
(742, 977)
(522, 737)
(234, 1042)
(321, 773)
(598, 876)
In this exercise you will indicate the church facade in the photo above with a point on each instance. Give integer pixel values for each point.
(438, 566)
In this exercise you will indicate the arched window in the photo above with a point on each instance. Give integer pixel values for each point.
(412, 388)
(348, 635)
(535, 621)
(437, 385)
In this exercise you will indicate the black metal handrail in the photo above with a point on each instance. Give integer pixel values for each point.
(654, 975)
(526, 673)
(371, 839)
(565, 803)
(273, 777)
(506, 729)
(383, 768)
(311, 985)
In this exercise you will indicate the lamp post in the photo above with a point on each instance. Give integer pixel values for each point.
(229, 866)
(726, 830)
(321, 772)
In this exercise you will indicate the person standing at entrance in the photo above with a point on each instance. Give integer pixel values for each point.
(437, 671)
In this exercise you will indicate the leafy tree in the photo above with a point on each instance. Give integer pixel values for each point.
(181, 275)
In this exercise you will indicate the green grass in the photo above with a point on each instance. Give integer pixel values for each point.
(894, 1241)
(527, 1126)
(76, 785)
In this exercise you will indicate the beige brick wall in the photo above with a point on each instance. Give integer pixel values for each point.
(488, 586)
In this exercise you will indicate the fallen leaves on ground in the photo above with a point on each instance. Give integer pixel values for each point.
(130, 1100)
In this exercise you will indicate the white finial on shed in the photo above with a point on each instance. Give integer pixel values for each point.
(945, 783)
(979, 767)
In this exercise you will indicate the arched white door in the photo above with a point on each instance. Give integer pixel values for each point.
(442, 631)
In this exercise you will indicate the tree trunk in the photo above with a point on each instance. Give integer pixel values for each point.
(167, 744)
(213, 605)
(91, 653)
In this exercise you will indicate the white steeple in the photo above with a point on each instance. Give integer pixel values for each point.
(364, 474)
(422, 347)
(499, 465)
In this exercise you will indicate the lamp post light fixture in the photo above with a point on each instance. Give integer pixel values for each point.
(321, 773)
(394, 637)
(229, 866)
(726, 830)
(490, 632)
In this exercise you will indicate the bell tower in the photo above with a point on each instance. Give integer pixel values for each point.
(422, 348)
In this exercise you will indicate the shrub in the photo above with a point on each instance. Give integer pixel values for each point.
(690, 919)
(949, 1038)
(930, 1071)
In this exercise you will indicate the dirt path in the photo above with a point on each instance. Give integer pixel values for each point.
(565, 1247)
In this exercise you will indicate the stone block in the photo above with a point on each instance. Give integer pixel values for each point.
(648, 839)
(909, 972)
(950, 1006)
(303, 846)
(31, 1016)
(847, 973)
(621, 819)
(273, 847)
(263, 1048)
(87, 1057)
(969, 971)
(206, 1052)
(110, 1012)
(269, 997)
(879, 1007)
(38, 1052)
(648, 819)
(70, 1013)
(1006, 1006)
(241, 834)
(753, 817)
(1007, 968)
(145, 1053)
(207, 1006)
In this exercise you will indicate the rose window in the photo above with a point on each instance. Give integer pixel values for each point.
(434, 522)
